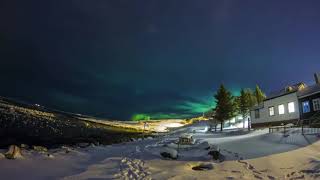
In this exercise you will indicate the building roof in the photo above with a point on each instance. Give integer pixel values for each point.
(287, 90)
(309, 91)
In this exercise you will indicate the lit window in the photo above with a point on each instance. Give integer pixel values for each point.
(257, 114)
(305, 107)
(281, 109)
(316, 104)
(291, 107)
(271, 111)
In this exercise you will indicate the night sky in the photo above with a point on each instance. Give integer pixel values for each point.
(164, 58)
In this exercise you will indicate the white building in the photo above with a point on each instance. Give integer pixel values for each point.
(275, 111)
(288, 105)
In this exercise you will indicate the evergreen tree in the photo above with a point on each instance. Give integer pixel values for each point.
(253, 99)
(245, 103)
(260, 96)
(225, 105)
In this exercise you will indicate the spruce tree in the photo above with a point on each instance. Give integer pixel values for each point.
(225, 105)
(260, 96)
(245, 103)
(253, 99)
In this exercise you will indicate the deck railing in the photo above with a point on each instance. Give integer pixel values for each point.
(304, 130)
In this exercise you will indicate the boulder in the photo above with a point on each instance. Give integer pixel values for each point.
(202, 167)
(40, 148)
(149, 138)
(14, 152)
(169, 153)
(215, 154)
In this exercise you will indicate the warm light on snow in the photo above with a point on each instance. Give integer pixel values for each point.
(163, 127)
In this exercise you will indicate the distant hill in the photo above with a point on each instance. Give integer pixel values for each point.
(34, 124)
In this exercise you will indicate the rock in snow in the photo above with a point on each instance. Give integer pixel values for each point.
(14, 152)
(215, 154)
(169, 153)
(202, 167)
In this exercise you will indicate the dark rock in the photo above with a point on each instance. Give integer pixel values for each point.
(166, 155)
(215, 154)
(169, 153)
(203, 167)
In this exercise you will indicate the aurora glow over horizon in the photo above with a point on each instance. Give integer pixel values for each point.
(158, 58)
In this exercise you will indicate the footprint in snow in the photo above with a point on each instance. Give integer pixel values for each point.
(271, 177)
(257, 177)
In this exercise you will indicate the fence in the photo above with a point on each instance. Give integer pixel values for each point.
(304, 130)
(310, 130)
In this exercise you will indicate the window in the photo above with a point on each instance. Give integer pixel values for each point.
(316, 104)
(271, 111)
(291, 107)
(257, 114)
(281, 109)
(305, 107)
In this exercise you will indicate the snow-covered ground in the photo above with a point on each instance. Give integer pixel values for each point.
(249, 155)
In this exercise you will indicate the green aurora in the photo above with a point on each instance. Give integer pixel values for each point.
(190, 109)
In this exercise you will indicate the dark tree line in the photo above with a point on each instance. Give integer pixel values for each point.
(229, 106)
